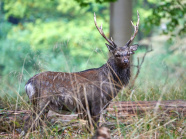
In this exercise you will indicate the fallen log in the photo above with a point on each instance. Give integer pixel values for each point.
(129, 108)
(10, 120)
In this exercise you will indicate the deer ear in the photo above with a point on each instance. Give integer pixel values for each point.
(134, 47)
(109, 47)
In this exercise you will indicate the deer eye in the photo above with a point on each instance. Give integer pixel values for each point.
(117, 55)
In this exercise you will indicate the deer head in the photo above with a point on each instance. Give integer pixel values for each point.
(120, 54)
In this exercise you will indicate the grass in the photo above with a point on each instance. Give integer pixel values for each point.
(160, 125)
(155, 82)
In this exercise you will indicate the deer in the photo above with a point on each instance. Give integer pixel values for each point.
(88, 91)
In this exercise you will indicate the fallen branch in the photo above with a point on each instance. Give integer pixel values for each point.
(120, 110)
(140, 107)
(138, 66)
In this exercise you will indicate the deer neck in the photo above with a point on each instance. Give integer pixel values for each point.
(120, 75)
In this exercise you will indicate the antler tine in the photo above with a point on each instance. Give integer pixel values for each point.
(100, 29)
(135, 30)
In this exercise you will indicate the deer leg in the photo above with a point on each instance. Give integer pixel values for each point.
(42, 111)
(39, 114)
(95, 113)
(29, 119)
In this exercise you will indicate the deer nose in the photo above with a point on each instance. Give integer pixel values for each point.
(125, 60)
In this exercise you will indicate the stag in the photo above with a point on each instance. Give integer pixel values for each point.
(88, 91)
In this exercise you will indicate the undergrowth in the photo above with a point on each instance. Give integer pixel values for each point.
(156, 82)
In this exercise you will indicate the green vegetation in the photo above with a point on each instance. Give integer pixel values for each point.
(60, 35)
(48, 39)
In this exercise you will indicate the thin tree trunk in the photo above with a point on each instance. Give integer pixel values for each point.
(120, 21)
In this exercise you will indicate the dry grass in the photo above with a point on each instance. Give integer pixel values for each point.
(150, 124)
(153, 83)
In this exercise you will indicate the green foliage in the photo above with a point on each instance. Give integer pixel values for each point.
(50, 35)
(85, 3)
(170, 14)
(53, 34)
(44, 33)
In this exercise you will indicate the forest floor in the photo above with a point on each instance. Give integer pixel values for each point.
(143, 119)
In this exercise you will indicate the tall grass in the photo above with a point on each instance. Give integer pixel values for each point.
(161, 78)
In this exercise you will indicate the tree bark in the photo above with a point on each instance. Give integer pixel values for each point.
(120, 21)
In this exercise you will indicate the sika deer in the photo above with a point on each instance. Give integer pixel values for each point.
(90, 90)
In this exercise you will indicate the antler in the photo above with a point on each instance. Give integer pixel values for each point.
(135, 30)
(100, 29)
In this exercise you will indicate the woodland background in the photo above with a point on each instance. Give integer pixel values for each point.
(60, 35)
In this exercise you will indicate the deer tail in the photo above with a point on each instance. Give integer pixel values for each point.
(30, 90)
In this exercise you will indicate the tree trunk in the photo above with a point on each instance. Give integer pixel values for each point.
(120, 21)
